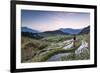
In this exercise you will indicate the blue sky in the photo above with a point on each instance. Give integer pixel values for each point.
(52, 20)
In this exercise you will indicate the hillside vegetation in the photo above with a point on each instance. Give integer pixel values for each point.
(40, 50)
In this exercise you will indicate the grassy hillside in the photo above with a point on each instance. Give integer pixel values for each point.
(40, 50)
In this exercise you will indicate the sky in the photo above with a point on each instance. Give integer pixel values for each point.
(53, 20)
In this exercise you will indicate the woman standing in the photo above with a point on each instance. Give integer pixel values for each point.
(74, 40)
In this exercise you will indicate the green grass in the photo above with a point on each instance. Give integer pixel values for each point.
(82, 56)
(58, 38)
(46, 56)
(36, 46)
(40, 46)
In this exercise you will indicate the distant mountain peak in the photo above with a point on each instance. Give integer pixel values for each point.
(26, 29)
(70, 30)
(85, 30)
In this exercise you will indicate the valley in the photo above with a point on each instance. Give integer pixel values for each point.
(55, 48)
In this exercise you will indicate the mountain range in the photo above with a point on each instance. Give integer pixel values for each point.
(70, 30)
(62, 31)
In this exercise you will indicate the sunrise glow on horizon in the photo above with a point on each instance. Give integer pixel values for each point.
(53, 20)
